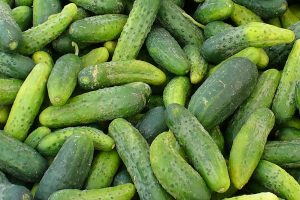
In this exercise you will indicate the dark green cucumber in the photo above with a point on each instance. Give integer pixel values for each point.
(23, 2)
(122, 177)
(23, 16)
(288, 134)
(10, 35)
(277, 179)
(38, 37)
(173, 172)
(94, 57)
(262, 195)
(20, 160)
(134, 152)
(97, 29)
(51, 144)
(42, 10)
(70, 167)
(295, 173)
(8, 90)
(101, 7)
(261, 97)
(274, 21)
(288, 19)
(166, 52)
(220, 95)
(4, 112)
(155, 101)
(216, 27)
(118, 73)
(199, 146)
(104, 167)
(292, 123)
(136, 29)
(218, 137)
(295, 9)
(255, 34)
(242, 15)
(35, 137)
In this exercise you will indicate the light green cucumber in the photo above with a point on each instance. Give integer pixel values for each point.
(8, 90)
(288, 19)
(110, 46)
(42, 57)
(242, 15)
(4, 112)
(35, 137)
(94, 57)
(23, 16)
(42, 10)
(101, 7)
(259, 196)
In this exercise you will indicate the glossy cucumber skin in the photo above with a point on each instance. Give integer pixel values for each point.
(23, 2)
(216, 27)
(288, 134)
(36, 136)
(242, 15)
(23, 16)
(42, 10)
(173, 172)
(97, 29)
(199, 146)
(262, 195)
(261, 97)
(219, 96)
(21, 161)
(134, 152)
(8, 90)
(39, 36)
(277, 179)
(69, 168)
(166, 51)
(94, 57)
(101, 7)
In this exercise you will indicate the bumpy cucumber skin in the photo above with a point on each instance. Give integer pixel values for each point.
(248, 146)
(259, 196)
(118, 73)
(288, 134)
(101, 7)
(121, 192)
(8, 90)
(134, 152)
(43, 9)
(277, 179)
(36, 136)
(173, 172)
(38, 37)
(216, 27)
(219, 95)
(23, 2)
(69, 169)
(261, 97)
(199, 146)
(97, 29)
(9, 2)
(242, 15)
(19, 160)
(94, 57)
(166, 52)
(136, 29)
(23, 16)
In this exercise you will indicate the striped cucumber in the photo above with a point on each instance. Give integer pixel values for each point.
(216, 27)
(35, 137)
(259, 196)
(42, 10)
(101, 7)
(8, 90)
(242, 15)
(288, 134)
(23, 16)
(94, 57)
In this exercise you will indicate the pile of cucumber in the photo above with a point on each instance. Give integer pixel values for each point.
(149, 99)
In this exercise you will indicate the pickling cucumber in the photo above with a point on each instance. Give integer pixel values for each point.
(8, 90)
(35, 137)
(288, 134)
(23, 16)
(23, 2)
(94, 57)
(262, 196)
(42, 10)
(242, 15)
(216, 27)
(101, 7)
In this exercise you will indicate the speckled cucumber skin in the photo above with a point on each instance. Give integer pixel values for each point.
(122, 177)
(19, 160)
(242, 15)
(166, 51)
(94, 57)
(261, 97)
(259, 196)
(36, 136)
(199, 146)
(42, 57)
(38, 37)
(216, 27)
(23, 16)
(23, 2)
(69, 169)
(101, 7)
(8, 90)
(43, 9)
(134, 152)
(173, 172)
(97, 29)
(277, 179)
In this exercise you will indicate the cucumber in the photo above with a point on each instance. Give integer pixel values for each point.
(220, 95)
(275, 21)
(263, 195)
(70, 167)
(242, 15)
(213, 10)
(295, 9)
(218, 137)
(288, 19)
(118, 73)
(101, 7)
(216, 27)
(52, 143)
(39, 36)
(166, 52)
(63, 44)
(8, 90)
(253, 34)
(284, 105)
(122, 192)
(20, 160)
(199, 146)
(23, 16)
(11, 34)
(23, 2)
(9, 2)
(288, 134)
(155, 101)
(283, 153)
(42, 10)
(134, 152)
(229, 193)
(136, 29)
(4, 112)
(81, 14)
(34, 189)
(104, 167)
(295, 173)
(94, 57)
(35, 137)
(261, 97)
(292, 123)
(277, 179)
(122, 177)
(297, 95)
(97, 29)
(15, 65)
(43, 57)
(110, 46)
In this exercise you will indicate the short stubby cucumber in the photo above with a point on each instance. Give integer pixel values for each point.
(36, 136)
(42, 57)
(242, 15)
(94, 57)
(8, 90)
(288, 134)
(259, 196)
(101, 7)
(23, 16)
(216, 27)
(42, 10)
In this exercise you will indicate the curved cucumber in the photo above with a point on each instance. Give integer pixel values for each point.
(23, 16)
(36, 136)
(262, 195)
(288, 134)
(94, 57)
(216, 27)
(101, 7)
(242, 15)
(42, 10)
(8, 90)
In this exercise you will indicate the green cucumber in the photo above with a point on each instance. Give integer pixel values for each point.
(8, 90)
(134, 152)
(35, 137)
(81, 14)
(166, 52)
(275, 21)
(94, 57)
(42, 10)
(97, 29)
(38, 37)
(288, 134)
(118, 73)
(216, 27)
(23, 2)
(101, 7)
(52, 143)
(20, 160)
(42, 57)
(295, 9)
(173, 172)
(110, 46)
(253, 34)
(136, 29)
(219, 96)
(199, 146)
(104, 167)
(218, 137)
(292, 123)
(297, 95)
(122, 177)
(288, 19)
(262, 195)
(261, 97)
(155, 101)
(277, 179)
(4, 112)
(284, 104)
(70, 167)
(23, 16)
(242, 15)
(295, 173)
(9, 2)
(11, 34)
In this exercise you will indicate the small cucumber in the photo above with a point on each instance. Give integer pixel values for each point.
(101, 7)
(218, 137)
(42, 57)
(288, 134)
(35, 137)
(94, 57)
(110, 46)
(242, 15)
(216, 27)
(262, 196)
(42, 10)
(23, 2)
(4, 112)
(8, 90)
(23, 16)
(288, 19)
